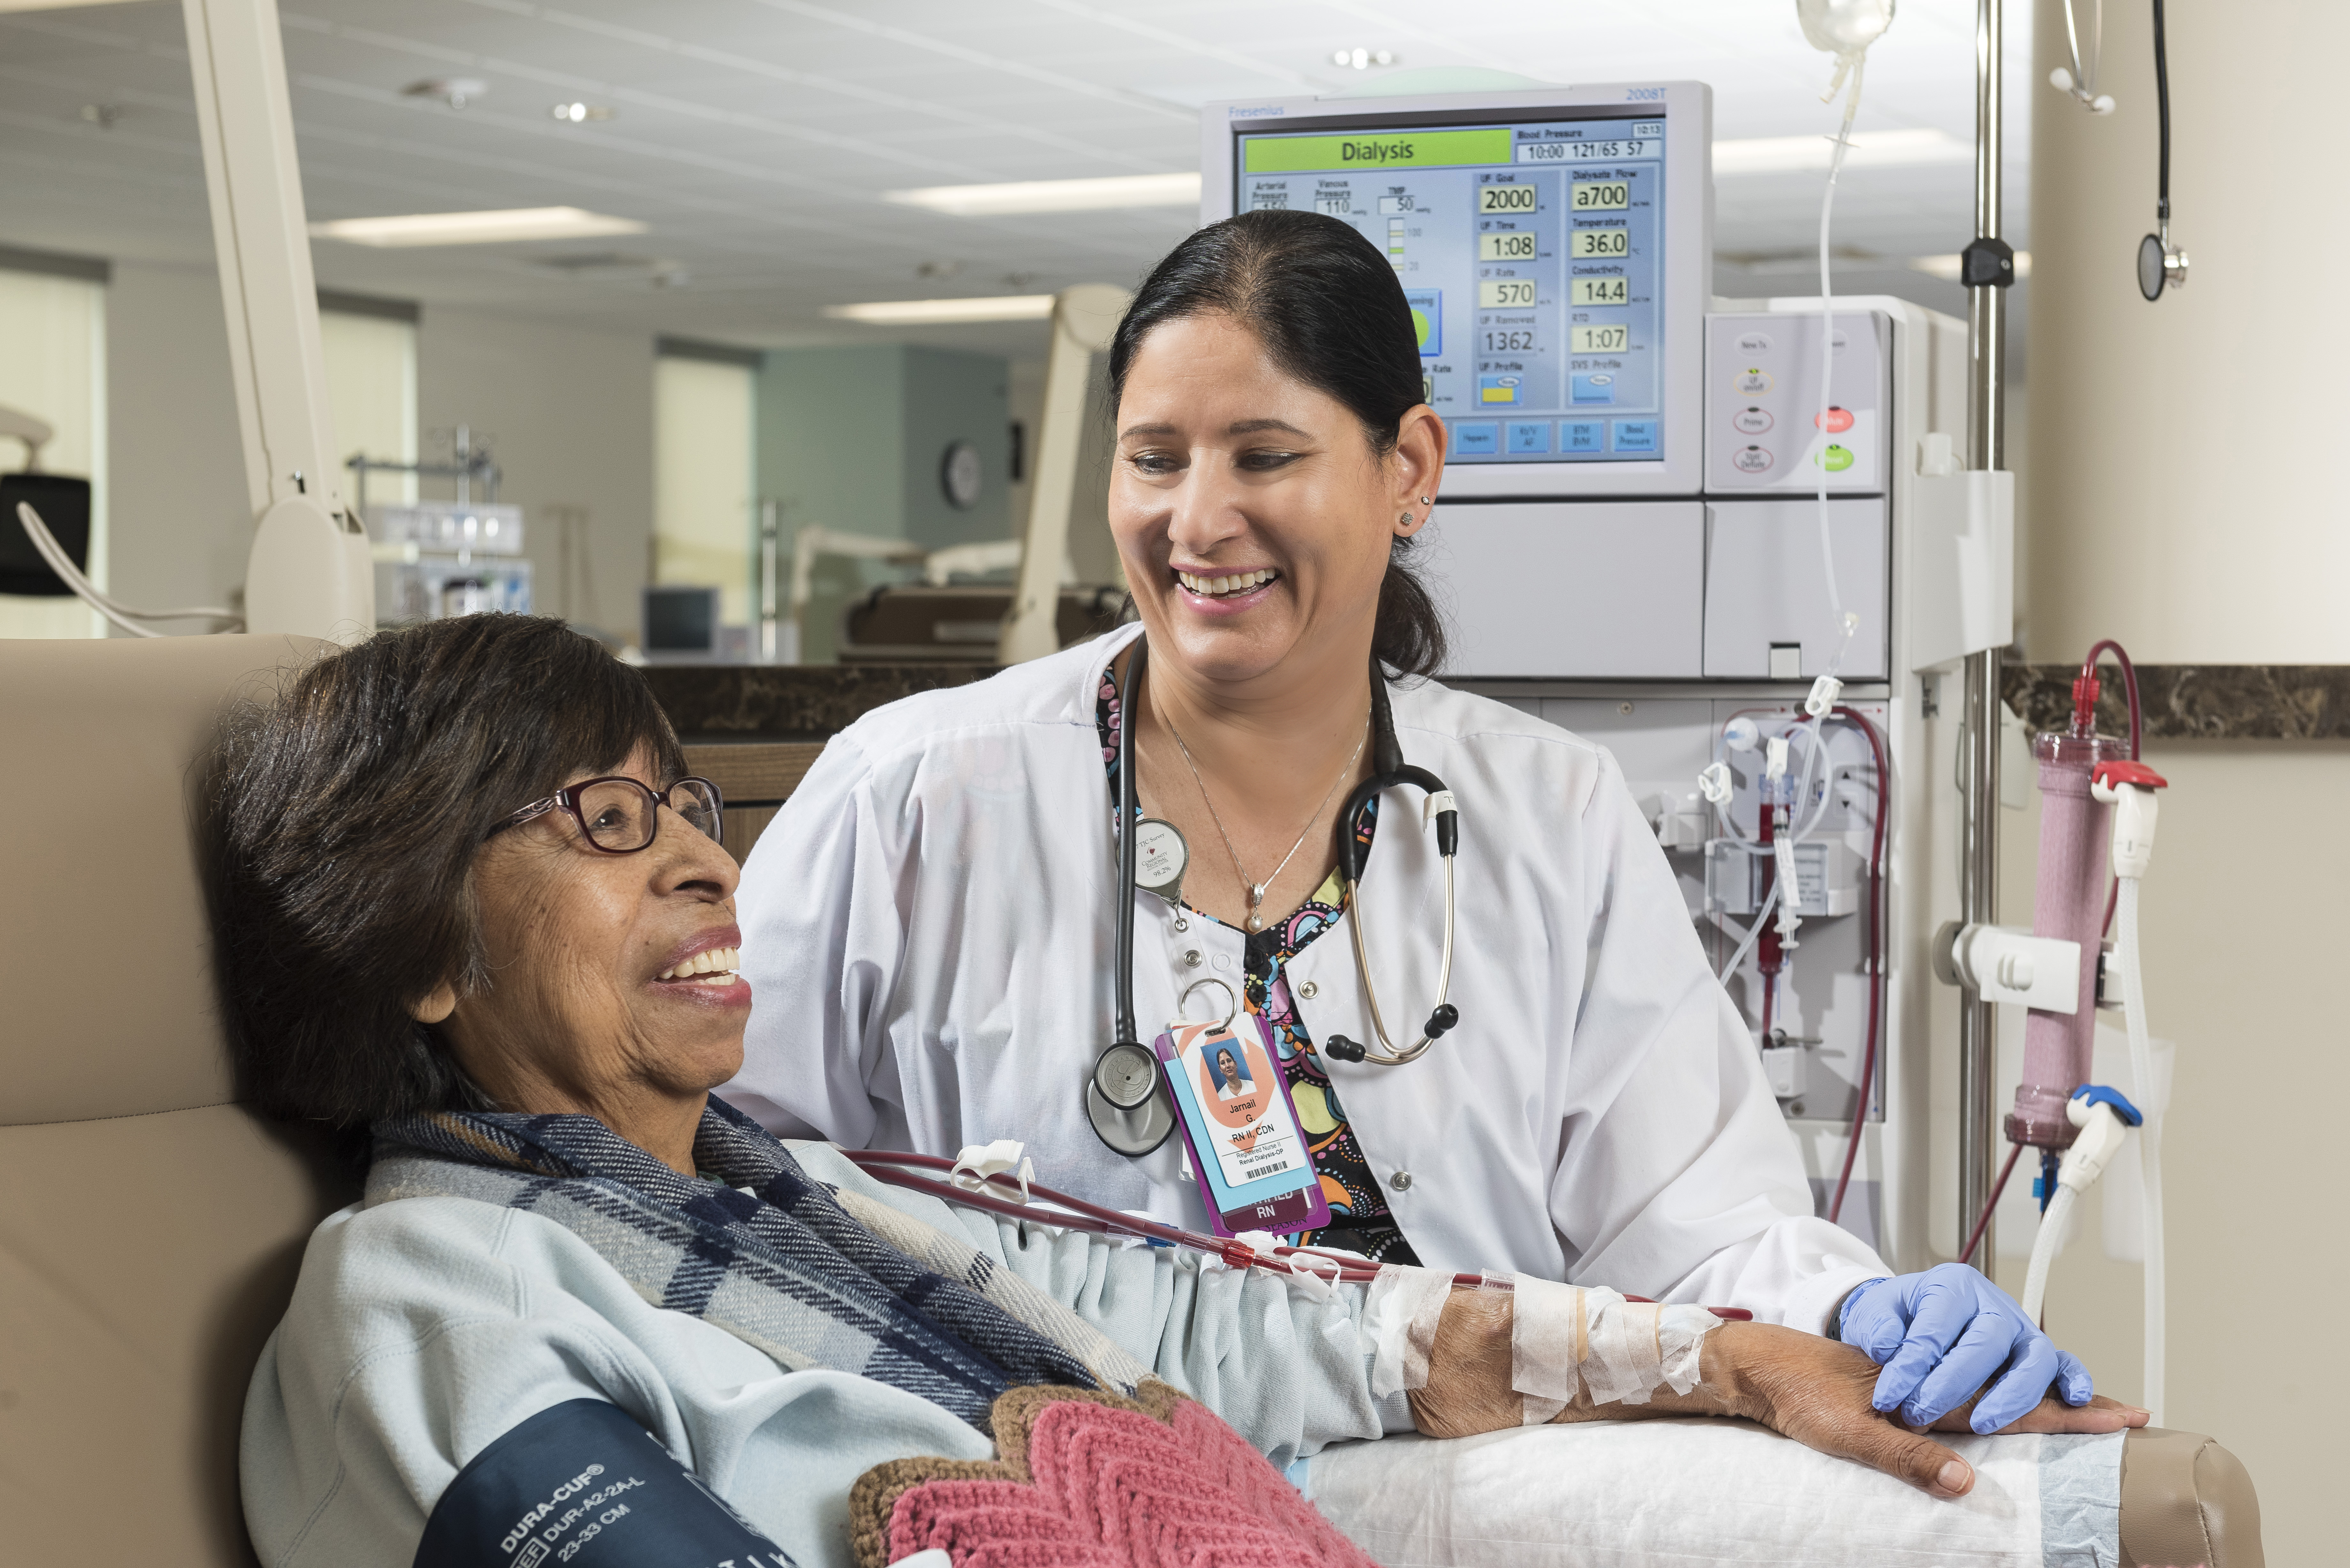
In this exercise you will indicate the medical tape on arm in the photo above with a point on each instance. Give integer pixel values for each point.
(1621, 1351)
(1399, 1316)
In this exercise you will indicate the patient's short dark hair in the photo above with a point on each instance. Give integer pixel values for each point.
(345, 816)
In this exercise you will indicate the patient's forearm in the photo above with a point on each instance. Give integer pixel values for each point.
(1806, 1387)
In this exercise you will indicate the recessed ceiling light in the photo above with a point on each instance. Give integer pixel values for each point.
(455, 91)
(476, 228)
(1870, 149)
(1946, 267)
(1362, 59)
(943, 312)
(575, 112)
(1055, 195)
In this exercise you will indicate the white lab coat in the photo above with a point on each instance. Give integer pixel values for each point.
(928, 932)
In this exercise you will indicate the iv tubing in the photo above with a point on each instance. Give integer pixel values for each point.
(2150, 1149)
(2043, 1251)
(1982, 1220)
(885, 1165)
(1846, 624)
(1877, 913)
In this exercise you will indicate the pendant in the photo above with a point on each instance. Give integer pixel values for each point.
(1256, 906)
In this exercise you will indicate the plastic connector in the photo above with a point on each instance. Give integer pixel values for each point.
(1825, 690)
(1716, 785)
(1774, 757)
(2100, 1139)
(2128, 787)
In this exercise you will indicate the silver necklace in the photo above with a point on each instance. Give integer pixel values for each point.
(1257, 889)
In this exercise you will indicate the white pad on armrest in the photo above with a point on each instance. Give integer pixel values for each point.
(1694, 1492)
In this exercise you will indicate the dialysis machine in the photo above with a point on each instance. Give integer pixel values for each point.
(1632, 545)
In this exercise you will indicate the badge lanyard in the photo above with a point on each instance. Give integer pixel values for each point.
(1126, 1097)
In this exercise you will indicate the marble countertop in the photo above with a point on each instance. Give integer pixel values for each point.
(2183, 701)
(710, 702)
(2195, 702)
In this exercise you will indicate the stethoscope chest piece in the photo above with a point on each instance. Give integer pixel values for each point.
(1123, 1102)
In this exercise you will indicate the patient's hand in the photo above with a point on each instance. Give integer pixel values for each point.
(1812, 1389)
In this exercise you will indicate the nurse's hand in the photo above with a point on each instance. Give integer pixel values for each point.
(1947, 1336)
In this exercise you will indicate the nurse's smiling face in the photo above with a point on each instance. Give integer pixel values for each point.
(1251, 511)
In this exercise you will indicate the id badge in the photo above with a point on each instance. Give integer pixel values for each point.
(1247, 1149)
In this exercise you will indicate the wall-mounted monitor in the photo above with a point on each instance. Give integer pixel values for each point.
(1555, 247)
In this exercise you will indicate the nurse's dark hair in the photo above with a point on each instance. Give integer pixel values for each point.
(1328, 309)
(345, 812)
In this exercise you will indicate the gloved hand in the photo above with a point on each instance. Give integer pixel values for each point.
(1943, 1335)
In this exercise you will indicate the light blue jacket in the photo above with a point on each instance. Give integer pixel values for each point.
(423, 1329)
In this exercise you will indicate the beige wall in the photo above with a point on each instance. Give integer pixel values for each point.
(181, 520)
(2186, 497)
(569, 412)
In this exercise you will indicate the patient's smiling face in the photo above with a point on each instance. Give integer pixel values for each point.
(611, 986)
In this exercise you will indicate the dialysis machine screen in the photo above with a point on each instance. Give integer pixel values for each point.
(1531, 254)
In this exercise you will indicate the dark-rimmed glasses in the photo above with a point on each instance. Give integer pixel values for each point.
(619, 817)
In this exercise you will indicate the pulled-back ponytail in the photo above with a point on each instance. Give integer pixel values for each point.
(1327, 307)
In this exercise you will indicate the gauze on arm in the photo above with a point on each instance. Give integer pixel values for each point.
(1562, 1336)
(1399, 1315)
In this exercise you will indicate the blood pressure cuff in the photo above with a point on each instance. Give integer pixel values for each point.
(581, 1485)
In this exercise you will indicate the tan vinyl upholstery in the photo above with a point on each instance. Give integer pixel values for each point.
(2186, 1501)
(150, 1227)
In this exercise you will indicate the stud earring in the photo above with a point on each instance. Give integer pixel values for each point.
(1427, 500)
(1405, 518)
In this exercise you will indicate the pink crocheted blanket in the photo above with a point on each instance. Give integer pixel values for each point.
(1087, 1480)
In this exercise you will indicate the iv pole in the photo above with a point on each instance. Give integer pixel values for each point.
(1987, 268)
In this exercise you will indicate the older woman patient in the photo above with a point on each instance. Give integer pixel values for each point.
(470, 910)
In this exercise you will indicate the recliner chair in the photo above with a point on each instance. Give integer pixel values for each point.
(150, 1227)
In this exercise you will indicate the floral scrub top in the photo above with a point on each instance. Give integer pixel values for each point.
(1360, 1220)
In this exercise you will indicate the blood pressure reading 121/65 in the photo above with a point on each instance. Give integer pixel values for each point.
(1530, 255)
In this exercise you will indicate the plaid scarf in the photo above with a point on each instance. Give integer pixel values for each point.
(788, 1270)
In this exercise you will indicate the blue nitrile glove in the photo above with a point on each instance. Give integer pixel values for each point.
(1943, 1335)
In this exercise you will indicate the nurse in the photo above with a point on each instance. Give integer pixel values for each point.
(938, 902)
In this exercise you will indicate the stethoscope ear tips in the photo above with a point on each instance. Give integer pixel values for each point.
(1444, 1018)
(1339, 1048)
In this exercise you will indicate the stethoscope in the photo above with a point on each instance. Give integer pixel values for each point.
(1126, 1100)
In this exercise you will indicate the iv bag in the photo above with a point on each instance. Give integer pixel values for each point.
(1844, 28)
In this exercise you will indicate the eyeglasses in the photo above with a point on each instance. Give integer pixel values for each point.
(620, 817)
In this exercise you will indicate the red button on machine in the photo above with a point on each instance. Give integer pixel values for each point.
(1835, 421)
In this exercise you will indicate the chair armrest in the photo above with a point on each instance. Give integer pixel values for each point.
(2187, 1500)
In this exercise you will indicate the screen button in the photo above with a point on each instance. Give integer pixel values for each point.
(1635, 435)
(1478, 439)
(1534, 436)
(1592, 387)
(1582, 435)
(1427, 318)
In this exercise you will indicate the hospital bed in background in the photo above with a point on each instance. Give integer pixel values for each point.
(151, 1226)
